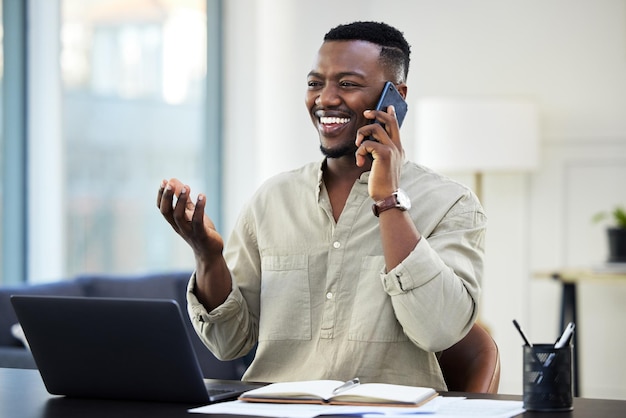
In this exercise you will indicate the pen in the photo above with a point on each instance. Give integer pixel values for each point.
(529, 344)
(561, 342)
(521, 332)
(567, 334)
(347, 385)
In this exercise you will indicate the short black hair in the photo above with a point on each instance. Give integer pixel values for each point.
(395, 50)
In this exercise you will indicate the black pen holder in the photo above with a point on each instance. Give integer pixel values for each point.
(548, 384)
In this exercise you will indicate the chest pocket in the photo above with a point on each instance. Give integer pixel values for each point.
(373, 318)
(285, 298)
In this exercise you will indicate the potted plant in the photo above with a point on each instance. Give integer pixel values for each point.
(616, 233)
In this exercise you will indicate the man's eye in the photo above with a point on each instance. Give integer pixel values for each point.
(313, 84)
(348, 84)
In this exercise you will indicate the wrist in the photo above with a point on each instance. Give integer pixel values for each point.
(396, 200)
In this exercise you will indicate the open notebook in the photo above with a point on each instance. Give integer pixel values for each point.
(117, 348)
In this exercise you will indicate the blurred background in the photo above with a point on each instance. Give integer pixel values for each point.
(101, 99)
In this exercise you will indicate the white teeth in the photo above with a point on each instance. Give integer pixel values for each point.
(333, 120)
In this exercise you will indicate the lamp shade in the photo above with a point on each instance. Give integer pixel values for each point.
(477, 135)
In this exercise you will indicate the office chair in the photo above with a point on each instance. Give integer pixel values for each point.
(472, 364)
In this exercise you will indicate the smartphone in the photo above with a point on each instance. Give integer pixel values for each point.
(391, 96)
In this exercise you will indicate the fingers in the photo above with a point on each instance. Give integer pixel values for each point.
(385, 131)
(174, 213)
(197, 220)
(365, 152)
(182, 206)
(165, 199)
(188, 218)
(160, 193)
(385, 134)
(175, 203)
(386, 151)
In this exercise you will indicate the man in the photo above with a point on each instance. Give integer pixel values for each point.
(327, 285)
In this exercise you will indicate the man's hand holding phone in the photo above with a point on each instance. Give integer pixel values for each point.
(380, 141)
(390, 96)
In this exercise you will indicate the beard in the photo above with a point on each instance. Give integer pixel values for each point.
(343, 151)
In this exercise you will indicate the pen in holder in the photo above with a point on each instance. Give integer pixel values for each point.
(548, 384)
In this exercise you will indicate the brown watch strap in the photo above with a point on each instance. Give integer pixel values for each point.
(387, 203)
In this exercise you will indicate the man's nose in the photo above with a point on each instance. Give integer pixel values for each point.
(328, 96)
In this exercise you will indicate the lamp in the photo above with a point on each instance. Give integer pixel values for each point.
(477, 135)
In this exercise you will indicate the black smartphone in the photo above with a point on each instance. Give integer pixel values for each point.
(391, 96)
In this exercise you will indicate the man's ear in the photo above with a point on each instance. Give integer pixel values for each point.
(402, 89)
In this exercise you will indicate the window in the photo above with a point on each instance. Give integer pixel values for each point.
(12, 119)
(133, 76)
(116, 101)
(1, 136)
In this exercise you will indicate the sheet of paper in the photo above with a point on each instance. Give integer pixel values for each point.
(263, 409)
(314, 410)
(429, 408)
(441, 406)
(484, 408)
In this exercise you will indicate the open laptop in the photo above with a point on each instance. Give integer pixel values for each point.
(117, 348)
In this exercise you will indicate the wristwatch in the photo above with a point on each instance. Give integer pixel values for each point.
(398, 200)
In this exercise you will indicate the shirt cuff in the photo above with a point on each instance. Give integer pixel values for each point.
(422, 265)
(230, 308)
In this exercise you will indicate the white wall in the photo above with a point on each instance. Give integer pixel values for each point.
(568, 56)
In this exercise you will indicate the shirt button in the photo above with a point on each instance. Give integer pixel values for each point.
(329, 295)
(336, 244)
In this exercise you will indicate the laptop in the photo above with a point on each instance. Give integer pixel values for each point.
(117, 348)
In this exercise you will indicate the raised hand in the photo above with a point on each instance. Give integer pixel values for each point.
(189, 220)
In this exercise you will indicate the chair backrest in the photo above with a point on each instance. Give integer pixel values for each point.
(472, 364)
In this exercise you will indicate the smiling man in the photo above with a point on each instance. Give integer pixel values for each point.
(362, 264)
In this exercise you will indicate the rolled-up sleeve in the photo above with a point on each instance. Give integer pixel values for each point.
(226, 342)
(439, 280)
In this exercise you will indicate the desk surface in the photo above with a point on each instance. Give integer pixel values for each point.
(23, 395)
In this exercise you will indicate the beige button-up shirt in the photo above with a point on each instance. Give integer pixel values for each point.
(315, 294)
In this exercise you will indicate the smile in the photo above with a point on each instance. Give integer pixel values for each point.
(328, 120)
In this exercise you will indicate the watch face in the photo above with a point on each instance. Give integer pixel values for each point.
(403, 199)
